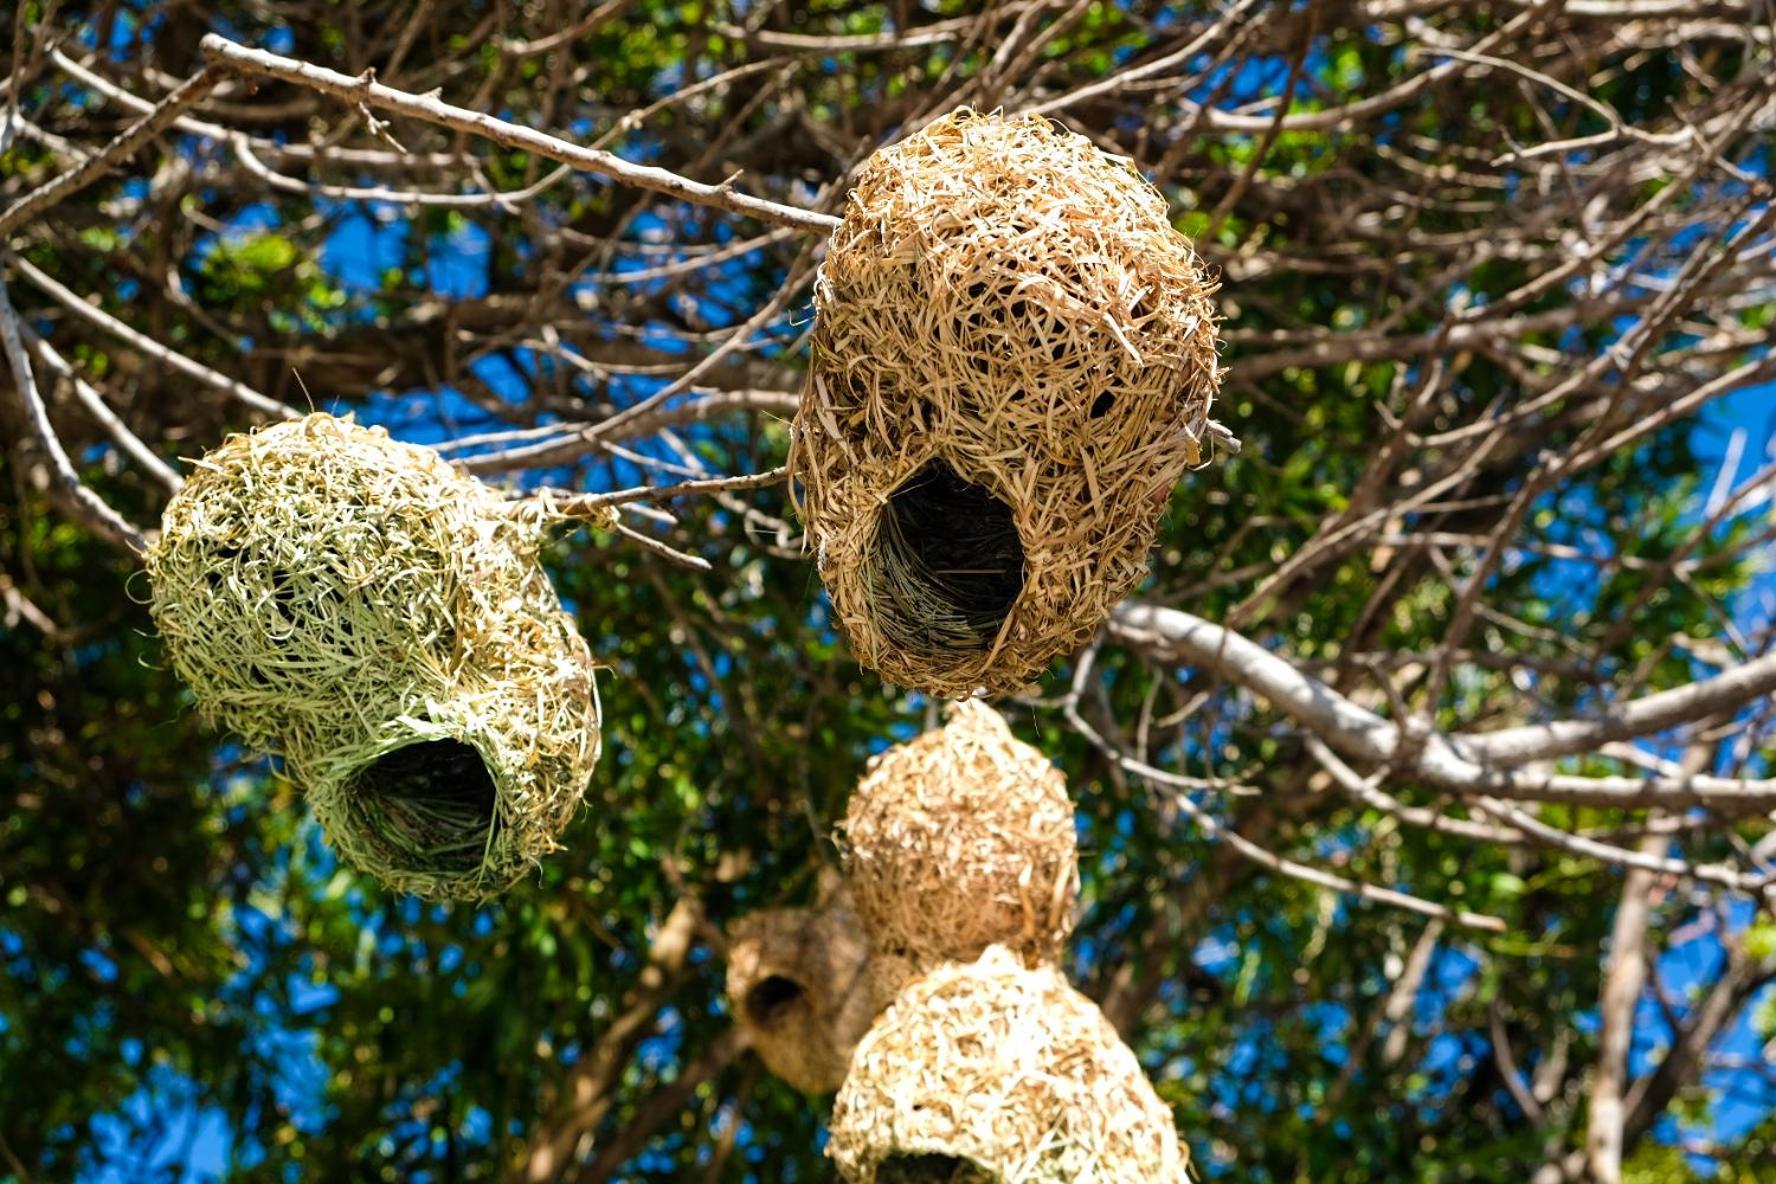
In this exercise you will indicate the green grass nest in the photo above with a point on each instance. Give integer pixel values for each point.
(381, 620)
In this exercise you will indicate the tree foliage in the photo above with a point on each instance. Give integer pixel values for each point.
(1491, 273)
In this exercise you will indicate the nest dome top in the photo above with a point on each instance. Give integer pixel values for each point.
(962, 838)
(1004, 1071)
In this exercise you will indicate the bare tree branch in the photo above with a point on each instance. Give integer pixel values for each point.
(94, 509)
(368, 91)
(1468, 762)
(126, 145)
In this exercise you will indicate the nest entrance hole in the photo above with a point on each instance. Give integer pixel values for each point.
(771, 1000)
(931, 1169)
(947, 564)
(430, 805)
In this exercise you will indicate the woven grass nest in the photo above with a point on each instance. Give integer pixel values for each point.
(957, 840)
(798, 984)
(1013, 361)
(994, 1073)
(381, 620)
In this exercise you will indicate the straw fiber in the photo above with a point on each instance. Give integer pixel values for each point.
(961, 838)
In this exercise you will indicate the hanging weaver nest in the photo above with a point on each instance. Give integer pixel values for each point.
(960, 839)
(1013, 360)
(381, 620)
(992, 1073)
(798, 984)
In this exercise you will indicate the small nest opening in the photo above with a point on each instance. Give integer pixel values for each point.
(932, 1169)
(430, 806)
(798, 985)
(947, 565)
(773, 999)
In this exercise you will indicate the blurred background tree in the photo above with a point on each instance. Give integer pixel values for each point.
(1498, 283)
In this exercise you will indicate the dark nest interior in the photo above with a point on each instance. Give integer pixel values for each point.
(931, 1169)
(771, 999)
(947, 564)
(430, 807)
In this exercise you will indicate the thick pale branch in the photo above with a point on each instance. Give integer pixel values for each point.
(1654, 713)
(1181, 802)
(1465, 762)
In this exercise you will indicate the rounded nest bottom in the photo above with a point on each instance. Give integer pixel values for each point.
(1008, 1073)
(466, 789)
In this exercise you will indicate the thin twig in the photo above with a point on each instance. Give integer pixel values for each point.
(105, 322)
(367, 91)
(100, 410)
(126, 145)
(93, 508)
(576, 505)
(649, 543)
(243, 148)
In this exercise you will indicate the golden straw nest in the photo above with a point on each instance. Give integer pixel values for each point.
(959, 839)
(798, 984)
(1013, 361)
(1004, 1070)
(357, 605)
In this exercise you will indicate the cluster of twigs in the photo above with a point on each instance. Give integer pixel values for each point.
(1638, 248)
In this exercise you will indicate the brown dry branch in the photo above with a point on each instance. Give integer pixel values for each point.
(70, 302)
(41, 200)
(91, 508)
(589, 1092)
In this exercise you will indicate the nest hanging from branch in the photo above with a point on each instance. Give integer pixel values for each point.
(1013, 361)
(959, 839)
(995, 1073)
(357, 605)
(798, 984)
